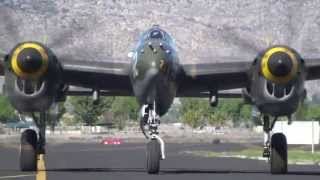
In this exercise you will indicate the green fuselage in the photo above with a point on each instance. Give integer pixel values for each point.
(155, 67)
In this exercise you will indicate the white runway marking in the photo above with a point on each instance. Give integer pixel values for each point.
(17, 176)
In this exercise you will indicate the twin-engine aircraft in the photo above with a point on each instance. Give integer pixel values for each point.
(35, 78)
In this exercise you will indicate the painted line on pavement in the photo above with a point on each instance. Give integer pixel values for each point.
(41, 169)
(17, 176)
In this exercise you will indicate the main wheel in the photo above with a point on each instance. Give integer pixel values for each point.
(153, 156)
(28, 150)
(279, 154)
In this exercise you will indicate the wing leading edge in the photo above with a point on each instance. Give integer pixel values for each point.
(198, 79)
(313, 68)
(110, 76)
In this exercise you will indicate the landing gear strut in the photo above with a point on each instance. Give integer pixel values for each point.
(32, 145)
(155, 148)
(275, 148)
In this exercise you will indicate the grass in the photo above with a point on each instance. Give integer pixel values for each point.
(295, 155)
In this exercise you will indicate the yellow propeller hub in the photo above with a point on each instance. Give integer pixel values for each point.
(279, 65)
(29, 60)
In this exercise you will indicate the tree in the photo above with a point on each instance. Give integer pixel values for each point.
(218, 118)
(55, 113)
(192, 118)
(197, 112)
(308, 111)
(174, 114)
(7, 112)
(194, 111)
(124, 109)
(87, 111)
(313, 112)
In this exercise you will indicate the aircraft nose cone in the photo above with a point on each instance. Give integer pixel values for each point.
(29, 60)
(280, 64)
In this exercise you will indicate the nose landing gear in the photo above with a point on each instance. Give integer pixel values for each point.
(31, 146)
(155, 147)
(275, 148)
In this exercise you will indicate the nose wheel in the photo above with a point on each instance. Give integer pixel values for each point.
(155, 147)
(153, 156)
(28, 150)
(31, 146)
(275, 148)
(279, 154)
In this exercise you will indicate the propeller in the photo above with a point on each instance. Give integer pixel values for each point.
(60, 40)
(246, 44)
(10, 24)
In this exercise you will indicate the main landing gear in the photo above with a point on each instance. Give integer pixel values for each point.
(275, 148)
(155, 148)
(32, 145)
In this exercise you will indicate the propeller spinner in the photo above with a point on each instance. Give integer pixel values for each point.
(279, 64)
(29, 60)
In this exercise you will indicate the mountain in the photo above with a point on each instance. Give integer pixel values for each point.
(204, 30)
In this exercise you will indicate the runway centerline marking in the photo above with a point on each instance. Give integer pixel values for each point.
(41, 168)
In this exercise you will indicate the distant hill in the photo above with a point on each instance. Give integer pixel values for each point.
(205, 30)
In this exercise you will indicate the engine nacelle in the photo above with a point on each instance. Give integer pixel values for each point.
(277, 81)
(32, 77)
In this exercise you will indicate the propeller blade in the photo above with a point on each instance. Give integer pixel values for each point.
(61, 39)
(10, 23)
(245, 43)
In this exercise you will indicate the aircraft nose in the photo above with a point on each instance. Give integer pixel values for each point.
(159, 54)
(156, 47)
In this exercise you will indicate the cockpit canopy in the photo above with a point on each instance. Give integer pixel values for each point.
(156, 34)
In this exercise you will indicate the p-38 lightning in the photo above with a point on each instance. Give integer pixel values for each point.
(273, 81)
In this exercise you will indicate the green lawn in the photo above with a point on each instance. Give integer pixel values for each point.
(294, 155)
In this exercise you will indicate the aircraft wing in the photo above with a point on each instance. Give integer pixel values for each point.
(198, 79)
(313, 68)
(110, 76)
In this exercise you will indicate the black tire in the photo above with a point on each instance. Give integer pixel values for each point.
(153, 156)
(279, 154)
(28, 150)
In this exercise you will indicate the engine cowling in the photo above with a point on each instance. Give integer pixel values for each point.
(280, 64)
(32, 77)
(277, 80)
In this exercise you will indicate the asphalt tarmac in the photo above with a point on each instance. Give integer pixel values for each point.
(91, 161)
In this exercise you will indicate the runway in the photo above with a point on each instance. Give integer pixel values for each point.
(92, 161)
